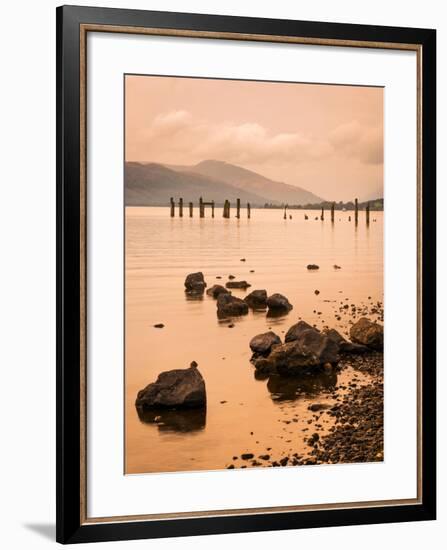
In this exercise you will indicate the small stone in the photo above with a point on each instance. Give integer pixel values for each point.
(313, 266)
(159, 325)
(247, 456)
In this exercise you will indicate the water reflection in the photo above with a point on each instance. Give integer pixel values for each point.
(275, 313)
(174, 421)
(193, 297)
(290, 388)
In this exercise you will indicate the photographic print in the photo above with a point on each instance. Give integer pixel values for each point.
(253, 274)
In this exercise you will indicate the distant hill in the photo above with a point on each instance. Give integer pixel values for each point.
(153, 184)
(274, 192)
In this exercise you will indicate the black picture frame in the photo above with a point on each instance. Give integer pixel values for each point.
(71, 297)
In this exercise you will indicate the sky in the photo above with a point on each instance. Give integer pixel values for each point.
(327, 139)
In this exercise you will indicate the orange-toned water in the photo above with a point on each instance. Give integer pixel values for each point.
(243, 414)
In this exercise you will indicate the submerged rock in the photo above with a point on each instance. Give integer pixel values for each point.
(230, 306)
(195, 283)
(313, 266)
(262, 343)
(278, 302)
(257, 299)
(316, 407)
(367, 333)
(237, 284)
(215, 290)
(178, 388)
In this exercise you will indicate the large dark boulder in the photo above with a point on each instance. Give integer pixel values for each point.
(278, 302)
(215, 290)
(344, 345)
(261, 344)
(179, 388)
(230, 306)
(296, 330)
(368, 333)
(195, 283)
(237, 284)
(257, 299)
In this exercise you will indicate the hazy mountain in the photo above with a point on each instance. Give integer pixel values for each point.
(273, 191)
(153, 184)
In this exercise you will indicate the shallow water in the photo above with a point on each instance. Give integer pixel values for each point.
(243, 414)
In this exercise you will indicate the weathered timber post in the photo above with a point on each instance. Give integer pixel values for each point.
(212, 209)
(190, 209)
(180, 207)
(226, 210)
(201, 209)
(172, 208)
(248, 210)
(238, 208)
(356, 212)
(285, 212)
(333, 212)
(367, 214)
(322, 214)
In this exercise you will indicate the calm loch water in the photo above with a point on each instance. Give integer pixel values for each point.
(243, 414)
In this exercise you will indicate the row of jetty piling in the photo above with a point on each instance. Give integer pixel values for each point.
(227, 207)
(203, 204)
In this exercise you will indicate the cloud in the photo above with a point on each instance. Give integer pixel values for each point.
(356, 141)
(250, 143)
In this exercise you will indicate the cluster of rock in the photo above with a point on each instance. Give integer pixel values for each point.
(231, 306)
(305, 348)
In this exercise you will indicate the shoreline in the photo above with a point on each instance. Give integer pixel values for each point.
(354, 413)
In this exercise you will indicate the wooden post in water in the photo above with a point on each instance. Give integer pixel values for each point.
(212, 209)
(201, 209)
(180, 207)
(333, 212)
(190, 209)
(248, 210)
(226, 209)
(238, 208)
(367, 214)
(322, 214)
(172, 208)
(285, 212)
(356, 212)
